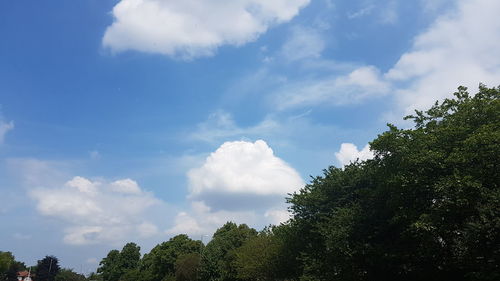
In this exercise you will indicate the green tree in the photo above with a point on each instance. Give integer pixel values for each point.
(160, 262)
(425, 208)
(132, 275)
(47, 269)
(109, 267)
(187, 267)
(94, 277)
(9, 266)
(66, 274)
(129, 257)
(259, 258)
(6, 259)
(218, 258)
(116, 264)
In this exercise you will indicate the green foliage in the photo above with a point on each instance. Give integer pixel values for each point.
(426, 208)
(109, 268)
(131, 275)
(6, 260)
(259, 258)
(218, 258)
(47, 269)
(129, 257)
(116, 264)
(187, 267)
(9, 266)
(94, 277)
(161, 261)
(69, 275)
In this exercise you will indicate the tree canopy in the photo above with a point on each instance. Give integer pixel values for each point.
(116, 263)
(9, 266)
(425, 208)
(47, 268)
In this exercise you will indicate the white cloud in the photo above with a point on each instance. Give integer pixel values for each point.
(21, 236)
(83, 185)
(202, 220)
(303, 43)
(34, 172)
(244, 168)
(359, 84)
(433, 6)
(459, 48)
(125, 186)
(97, 212)
(349, 153)
(361, 12)
(221, 125)
(94, 154)
(389, 14)
(92, 260)
(277, 216)
(242, 182)
(147, 229)
(5, 127)
(193, 28)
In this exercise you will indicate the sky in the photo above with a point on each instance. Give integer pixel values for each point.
(136, 120)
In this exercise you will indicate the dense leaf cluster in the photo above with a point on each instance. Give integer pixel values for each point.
(9, 266)
(425, 208)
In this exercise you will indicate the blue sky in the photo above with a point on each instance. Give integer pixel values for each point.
(135, 120)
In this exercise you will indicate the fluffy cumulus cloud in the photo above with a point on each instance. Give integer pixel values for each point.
(459, 48)
(349, 153)
(193, 28)
(241, 181)
(242, 167)
(4, 128)
(97, 212)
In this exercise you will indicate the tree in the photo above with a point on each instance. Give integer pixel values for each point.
(132, 275)
(259, 258)
(6, 259)
(9, 266)
(47, 269)
(69, 275)
(94, 277)
(129, 257)
(109, 267)
(218, 258)
(425, 208)
(187, 267)
(116, 264)
(161, 261)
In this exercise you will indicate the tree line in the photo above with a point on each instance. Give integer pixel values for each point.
(426, 207)
(46, 269)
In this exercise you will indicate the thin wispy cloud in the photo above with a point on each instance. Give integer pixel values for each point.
(5, 127)
(354, 87)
